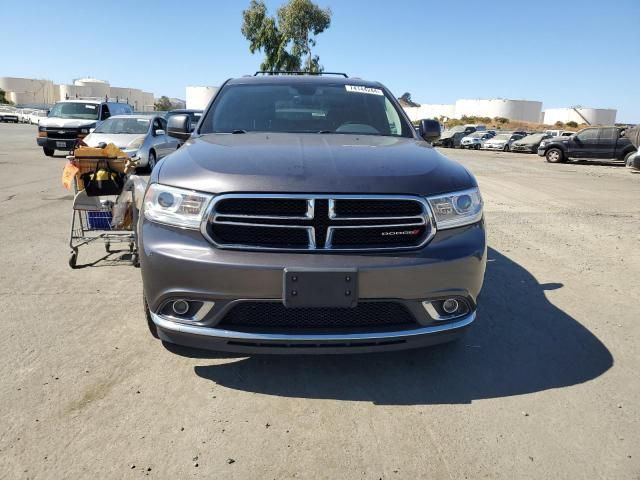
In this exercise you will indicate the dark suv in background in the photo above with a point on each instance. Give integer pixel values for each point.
(305, 214)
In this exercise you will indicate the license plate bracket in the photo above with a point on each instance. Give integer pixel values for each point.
(336, 288)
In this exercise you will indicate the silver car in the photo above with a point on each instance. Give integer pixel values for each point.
(141, 136)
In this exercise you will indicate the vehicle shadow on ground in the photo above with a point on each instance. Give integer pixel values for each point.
(520, 343)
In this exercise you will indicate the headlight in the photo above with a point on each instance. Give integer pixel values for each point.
(542, 144)
(175, 206)
(457, 209)
(41, 129)
(137, 143)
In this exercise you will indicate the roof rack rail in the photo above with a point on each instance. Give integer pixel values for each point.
(292, 72)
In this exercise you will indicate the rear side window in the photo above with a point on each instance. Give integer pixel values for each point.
(305, 108)
(609, 134)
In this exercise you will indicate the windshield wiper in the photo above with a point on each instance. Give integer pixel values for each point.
(239, 131)
(325, 131)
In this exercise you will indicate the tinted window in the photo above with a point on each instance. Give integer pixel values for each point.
(609, 134)
(304, 108)
(84, 111)
(589, 134)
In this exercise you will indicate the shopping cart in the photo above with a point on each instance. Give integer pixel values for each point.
(92, 217)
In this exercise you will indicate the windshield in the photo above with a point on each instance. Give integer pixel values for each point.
(129, 126)
(536, 137)
(502, 136)
(304, 108)
(477, 135)
(84, 111)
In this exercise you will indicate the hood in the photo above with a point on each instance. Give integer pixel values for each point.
(311, 163)
(496, 140)
(120, 140)
(65, 122)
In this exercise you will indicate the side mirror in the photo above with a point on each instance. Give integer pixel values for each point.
(429, 130)
(159, 132)
(179, 126)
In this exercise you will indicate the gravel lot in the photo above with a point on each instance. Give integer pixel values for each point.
(545, 385)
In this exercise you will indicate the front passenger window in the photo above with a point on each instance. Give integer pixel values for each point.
(105, 112)
(588, 135)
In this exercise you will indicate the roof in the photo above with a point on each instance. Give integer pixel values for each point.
(138, 116)
(289, 79)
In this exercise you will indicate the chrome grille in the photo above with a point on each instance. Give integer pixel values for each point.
(297, 222)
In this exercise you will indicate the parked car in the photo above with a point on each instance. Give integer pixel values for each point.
(530, 143)
(559, 133)
(452, 137)
(36, 116)
(8, 115)
(194, 115)
(71, 120)
(475, 140)
(141, 136)
(252, 241)
(502, 141)
(633, 160)
(604, 143)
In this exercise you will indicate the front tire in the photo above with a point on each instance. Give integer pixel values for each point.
(627, 157)
(506, 148)
(152, 160)
(48, 151)
(554, 155)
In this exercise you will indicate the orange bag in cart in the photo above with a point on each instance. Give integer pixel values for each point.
(68, 174)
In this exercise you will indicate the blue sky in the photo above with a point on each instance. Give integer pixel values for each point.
(562, 53)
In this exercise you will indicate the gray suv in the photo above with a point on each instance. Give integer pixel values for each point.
(305, 214)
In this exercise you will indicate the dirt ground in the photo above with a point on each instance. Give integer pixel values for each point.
(545, 385)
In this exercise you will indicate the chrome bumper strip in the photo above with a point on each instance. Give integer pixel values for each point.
(234, 335)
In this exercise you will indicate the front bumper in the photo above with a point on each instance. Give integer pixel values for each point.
(492, 146)
(179, 263)
(56, 144)
(518, 149)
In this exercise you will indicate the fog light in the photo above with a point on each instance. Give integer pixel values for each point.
(180, 307)
(450, 305)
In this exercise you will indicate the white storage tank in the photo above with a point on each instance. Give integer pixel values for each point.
(197, 97)
(148, 102)
(580, 115)
(29, 90)
(520, 110)
(99, 88)
(70, 92)
(434, 110)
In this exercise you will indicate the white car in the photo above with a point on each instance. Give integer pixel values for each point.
(8, 114)
(475, 140)
(501, 141)
(36, 116)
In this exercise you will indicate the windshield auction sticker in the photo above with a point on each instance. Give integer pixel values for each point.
(360, 89)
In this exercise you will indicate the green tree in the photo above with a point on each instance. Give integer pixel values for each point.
(559, 124)
(163, 104)
(3, 98)
(287, 39)
(572, 124)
